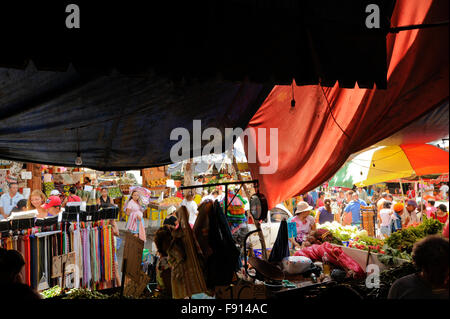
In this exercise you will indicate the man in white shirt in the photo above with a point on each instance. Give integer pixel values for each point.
(191, 207)
(9, 200)
(444, 190)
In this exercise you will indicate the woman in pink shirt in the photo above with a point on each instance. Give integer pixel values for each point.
(135, 222)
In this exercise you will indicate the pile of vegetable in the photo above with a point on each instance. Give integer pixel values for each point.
(52, 292)
(343, 233)
(82, 293)
(391, 255)
(403, 240)
(365, 242)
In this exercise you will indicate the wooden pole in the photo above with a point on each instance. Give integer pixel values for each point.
(247, 193)
(403, 195)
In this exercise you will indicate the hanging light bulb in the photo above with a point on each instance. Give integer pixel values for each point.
(78, 160)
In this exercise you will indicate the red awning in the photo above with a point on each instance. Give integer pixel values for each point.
(314, 143)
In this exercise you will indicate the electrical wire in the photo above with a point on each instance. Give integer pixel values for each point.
(329, 109)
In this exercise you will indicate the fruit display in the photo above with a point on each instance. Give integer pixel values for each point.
(169, 201)
(158, 182)
(52, 292)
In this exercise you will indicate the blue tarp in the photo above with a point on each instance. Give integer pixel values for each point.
(123, 122)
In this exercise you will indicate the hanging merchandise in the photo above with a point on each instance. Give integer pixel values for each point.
(224, 259)
(187, 275)
(280, 248)
(92, 246)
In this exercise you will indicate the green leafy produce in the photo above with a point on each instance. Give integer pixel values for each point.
(52, 292)
(81, 293)
(390, 258)
(404, 239)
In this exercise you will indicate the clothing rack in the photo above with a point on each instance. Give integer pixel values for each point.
(254, 181)
(92, 242)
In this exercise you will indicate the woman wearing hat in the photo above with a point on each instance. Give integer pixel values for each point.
(304, 222)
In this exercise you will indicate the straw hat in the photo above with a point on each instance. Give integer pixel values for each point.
(303, 207)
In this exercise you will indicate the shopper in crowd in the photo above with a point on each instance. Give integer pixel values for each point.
(341, 197)
(444, 190)
(52, 206)
(430, 208)
(362, 194)
(307, 198)
(384, 197)
(370, 191)
(72, 196)
(9, 200)
(171, 219)
(135, 215)
(354, 207)
(35, 201)
(431, 257)
(20, 207)
(191, 207)
(441, 214)
(11, 281)
(324, 213)
(87, 181)
(320, 200)
(384, 219)
(104, 201)
(315, 197)
(396, 220)
(411, 193)
(304, 223)
(410, 216)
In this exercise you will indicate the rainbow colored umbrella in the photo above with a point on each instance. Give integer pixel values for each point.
(390, 163)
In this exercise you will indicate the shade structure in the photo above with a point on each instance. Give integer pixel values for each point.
(392, 162)
(326, 126)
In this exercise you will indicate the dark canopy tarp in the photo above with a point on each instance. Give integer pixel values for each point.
(270, 41)
(328, 124)
(123, 122)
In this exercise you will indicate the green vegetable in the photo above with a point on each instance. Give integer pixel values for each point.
(52, 292)
(404, 239)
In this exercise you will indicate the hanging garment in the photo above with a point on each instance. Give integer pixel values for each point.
(187, 275)
(201, 227)
(224, 261)
(281, 246)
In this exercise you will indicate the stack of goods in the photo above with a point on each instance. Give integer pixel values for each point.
(114, 192)
(169, 201)
(157, 182)
(236, 212)
(48, 187)
(368, 221)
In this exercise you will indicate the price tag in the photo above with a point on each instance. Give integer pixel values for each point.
(26, 175)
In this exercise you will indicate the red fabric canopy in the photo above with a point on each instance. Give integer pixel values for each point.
(312, 145)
